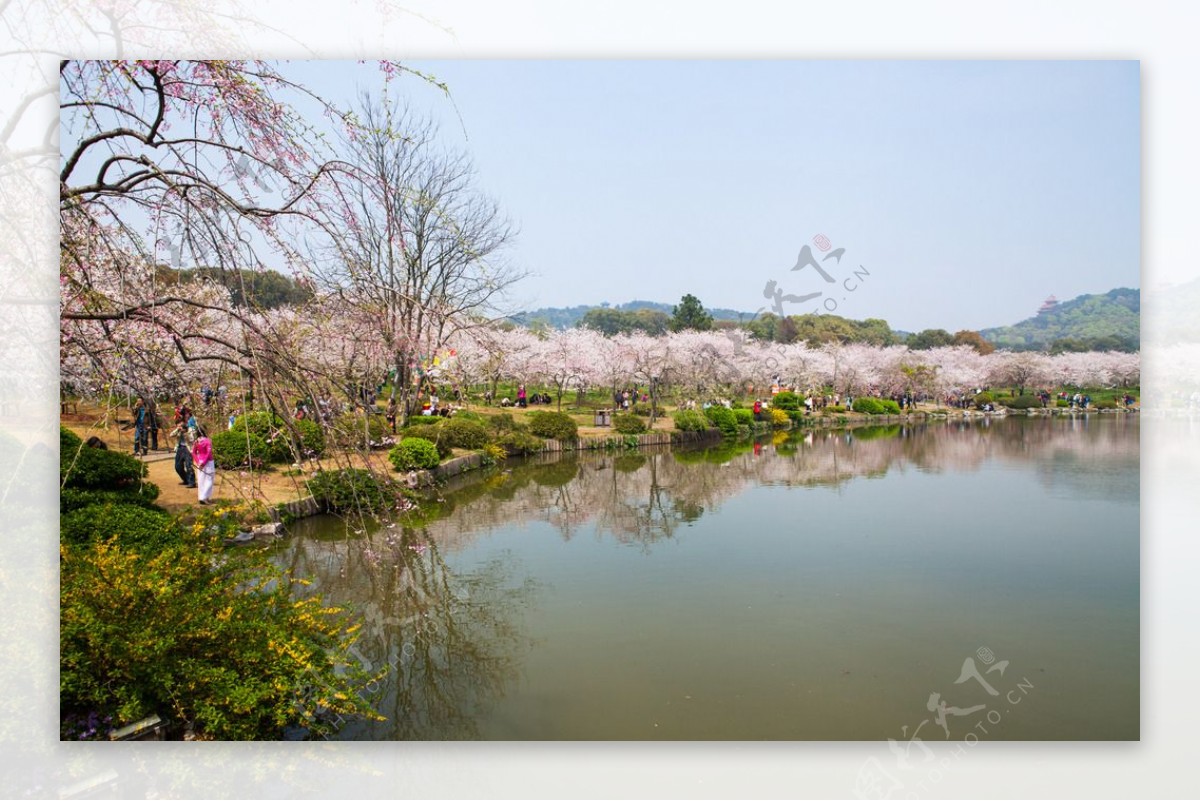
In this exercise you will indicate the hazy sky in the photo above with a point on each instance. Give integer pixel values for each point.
(968, 190)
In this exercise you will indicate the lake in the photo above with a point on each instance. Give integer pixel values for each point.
(935, 580)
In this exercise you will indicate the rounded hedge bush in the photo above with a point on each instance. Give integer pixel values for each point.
(983, 398)
(723, 419)
(553, 425)
(867, 406)
(140, 528)
(233, 449)
(628, 424)
(786, 400)
(1062, 403)
(350, 430)
(413, 453)
(312, 438)
(1107, 404)
(690, 420)
(1023, 402)
(779, 418)
(429, 433)
(352, 490)
(72, 498)
(744, 417)
(465, 433)
(890, 406)
(519, 443)
(84, 467)
(502, 422)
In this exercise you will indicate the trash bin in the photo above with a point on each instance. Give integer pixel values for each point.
(603, 417)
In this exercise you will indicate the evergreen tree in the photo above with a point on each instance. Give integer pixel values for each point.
(690, 313)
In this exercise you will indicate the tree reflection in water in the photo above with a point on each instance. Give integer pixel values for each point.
(452, 642)
(445, 644)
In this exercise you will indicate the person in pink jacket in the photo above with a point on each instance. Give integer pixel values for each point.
(206, 468)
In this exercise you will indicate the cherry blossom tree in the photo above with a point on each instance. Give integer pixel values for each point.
(422, 249)
(177, 164)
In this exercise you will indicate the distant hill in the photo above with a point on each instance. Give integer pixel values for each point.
(1111, 320)
(569, 317)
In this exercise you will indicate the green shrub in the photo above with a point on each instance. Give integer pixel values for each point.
(282, 444)
(779, 418)
(269, 429)
(641, 409)
(167, 633)
(627, 424)
(983, 398)
(1023, 402)
(262, 423)
(413, 453)
(868, 406)
(312, 438)
(690, 420)
(467, 434)
(425, 420)
(834, 408)
(890, 406)
(353, 490)
(553, 425)
(83, 467)
(744, 417)
(1062, 403)
(347, 431)
(138, 528)
(1106, 404)
(786, 400)
(233, 449)
(502, 422)
(723, 419)
(519, 443)
(430, 433)
(72, 498)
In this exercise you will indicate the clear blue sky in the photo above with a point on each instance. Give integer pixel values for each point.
(969, 190)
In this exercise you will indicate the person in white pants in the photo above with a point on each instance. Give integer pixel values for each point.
(206, 469)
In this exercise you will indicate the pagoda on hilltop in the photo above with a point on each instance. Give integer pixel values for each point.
(1048, 305)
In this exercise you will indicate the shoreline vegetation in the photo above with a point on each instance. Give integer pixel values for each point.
(286, 489)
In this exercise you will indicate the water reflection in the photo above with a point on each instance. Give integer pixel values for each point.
(445, 644)
(489, 629)
(641, 498)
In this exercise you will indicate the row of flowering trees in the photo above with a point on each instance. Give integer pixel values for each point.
(226, 165)
(699, 364)
(231, 166)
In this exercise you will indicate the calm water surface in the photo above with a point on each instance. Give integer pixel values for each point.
(820, 585)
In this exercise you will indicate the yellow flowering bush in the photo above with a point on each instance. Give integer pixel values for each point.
(203, 635)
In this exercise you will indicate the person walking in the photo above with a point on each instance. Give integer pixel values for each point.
(521, 397)
(391, 414)
(206, 469)
(152, 423)
(139, 428)
(183, 456)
